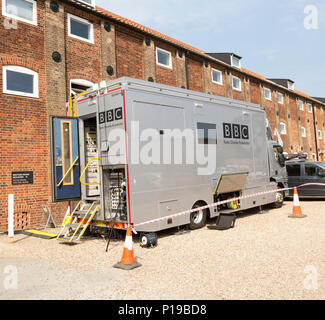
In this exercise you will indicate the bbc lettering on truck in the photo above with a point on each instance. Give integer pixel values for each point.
(111, 115)
(235, 131)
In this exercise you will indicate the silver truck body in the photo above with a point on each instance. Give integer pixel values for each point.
(245, 163)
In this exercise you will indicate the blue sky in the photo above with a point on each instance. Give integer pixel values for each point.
(269, 35)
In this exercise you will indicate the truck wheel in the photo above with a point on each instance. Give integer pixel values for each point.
(149, 240)
(279, 199)
(198, 218)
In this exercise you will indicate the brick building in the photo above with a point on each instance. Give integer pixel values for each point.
(52, 49)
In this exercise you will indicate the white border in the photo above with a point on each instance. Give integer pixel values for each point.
(269, 90)
(232, 62)
(218, 71)
(15, 17)
(170, 65)
(81, 82)
(91, 31)
(282, 100)
(302, 104)
(285, 128)
(35, 94)
(232, 82)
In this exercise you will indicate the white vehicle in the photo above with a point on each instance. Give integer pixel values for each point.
(128, 185)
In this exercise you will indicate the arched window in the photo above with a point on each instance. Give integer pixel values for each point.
(20, 81)
(79, 85)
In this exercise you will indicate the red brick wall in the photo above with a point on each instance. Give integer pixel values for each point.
(217, 89)
(165, 75)
(255, 91)
(23, 123)
(128, 54)
(195, 76)
(83, 59)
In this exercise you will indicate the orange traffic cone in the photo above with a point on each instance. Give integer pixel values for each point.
(128, 261)
(296, 211)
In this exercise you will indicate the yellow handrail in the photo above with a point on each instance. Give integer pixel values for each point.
(74, 162)
(83, 172)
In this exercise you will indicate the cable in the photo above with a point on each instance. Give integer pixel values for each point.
(118, 206)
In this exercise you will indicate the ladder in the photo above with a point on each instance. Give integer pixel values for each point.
(84, 211)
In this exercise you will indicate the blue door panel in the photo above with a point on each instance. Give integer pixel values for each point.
(70, 188)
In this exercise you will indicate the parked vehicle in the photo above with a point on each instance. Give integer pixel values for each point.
(132, 192)
(303, 171)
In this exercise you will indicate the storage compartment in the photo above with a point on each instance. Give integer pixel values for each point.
(115, 197)
(91, 152)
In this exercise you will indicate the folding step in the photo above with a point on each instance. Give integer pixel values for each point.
(88, 212)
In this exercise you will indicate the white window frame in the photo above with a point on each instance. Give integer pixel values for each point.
(284, 126)
(81, 82)
(92, 4)
(301, 105)
(232, 80)
(15, 17)
(91, 32)
(232, 62)
(170, 65)
(310, 108)
(282, 97)
(319, 135)
(270, 91)
(220, 73)
(24, 70)
(291, 85)
(303, 132)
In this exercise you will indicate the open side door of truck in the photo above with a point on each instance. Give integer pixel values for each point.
(65, 159)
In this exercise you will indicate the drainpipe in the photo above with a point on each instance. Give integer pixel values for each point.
(315, 132)
(186, 70)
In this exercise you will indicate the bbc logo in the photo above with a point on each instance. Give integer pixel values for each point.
(111, 115)
(235, 131)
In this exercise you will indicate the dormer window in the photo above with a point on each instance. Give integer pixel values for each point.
(235, 62)
(291, 85)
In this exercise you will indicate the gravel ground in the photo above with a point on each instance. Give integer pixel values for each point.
(266, 256)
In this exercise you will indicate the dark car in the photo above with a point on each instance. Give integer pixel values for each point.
(304, 171)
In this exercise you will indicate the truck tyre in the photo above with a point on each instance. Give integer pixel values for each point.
(198, 218)
(279, 200)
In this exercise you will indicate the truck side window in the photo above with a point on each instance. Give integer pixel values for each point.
(310, 170)
(293, 170)
(207, 133)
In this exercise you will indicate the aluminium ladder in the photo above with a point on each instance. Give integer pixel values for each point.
(85, 212)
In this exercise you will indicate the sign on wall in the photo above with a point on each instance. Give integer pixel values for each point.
(22, 177)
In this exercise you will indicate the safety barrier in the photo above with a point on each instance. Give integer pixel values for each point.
(220, 203)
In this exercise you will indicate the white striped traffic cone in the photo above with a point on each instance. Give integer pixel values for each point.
(128, 261)
(296, 211)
